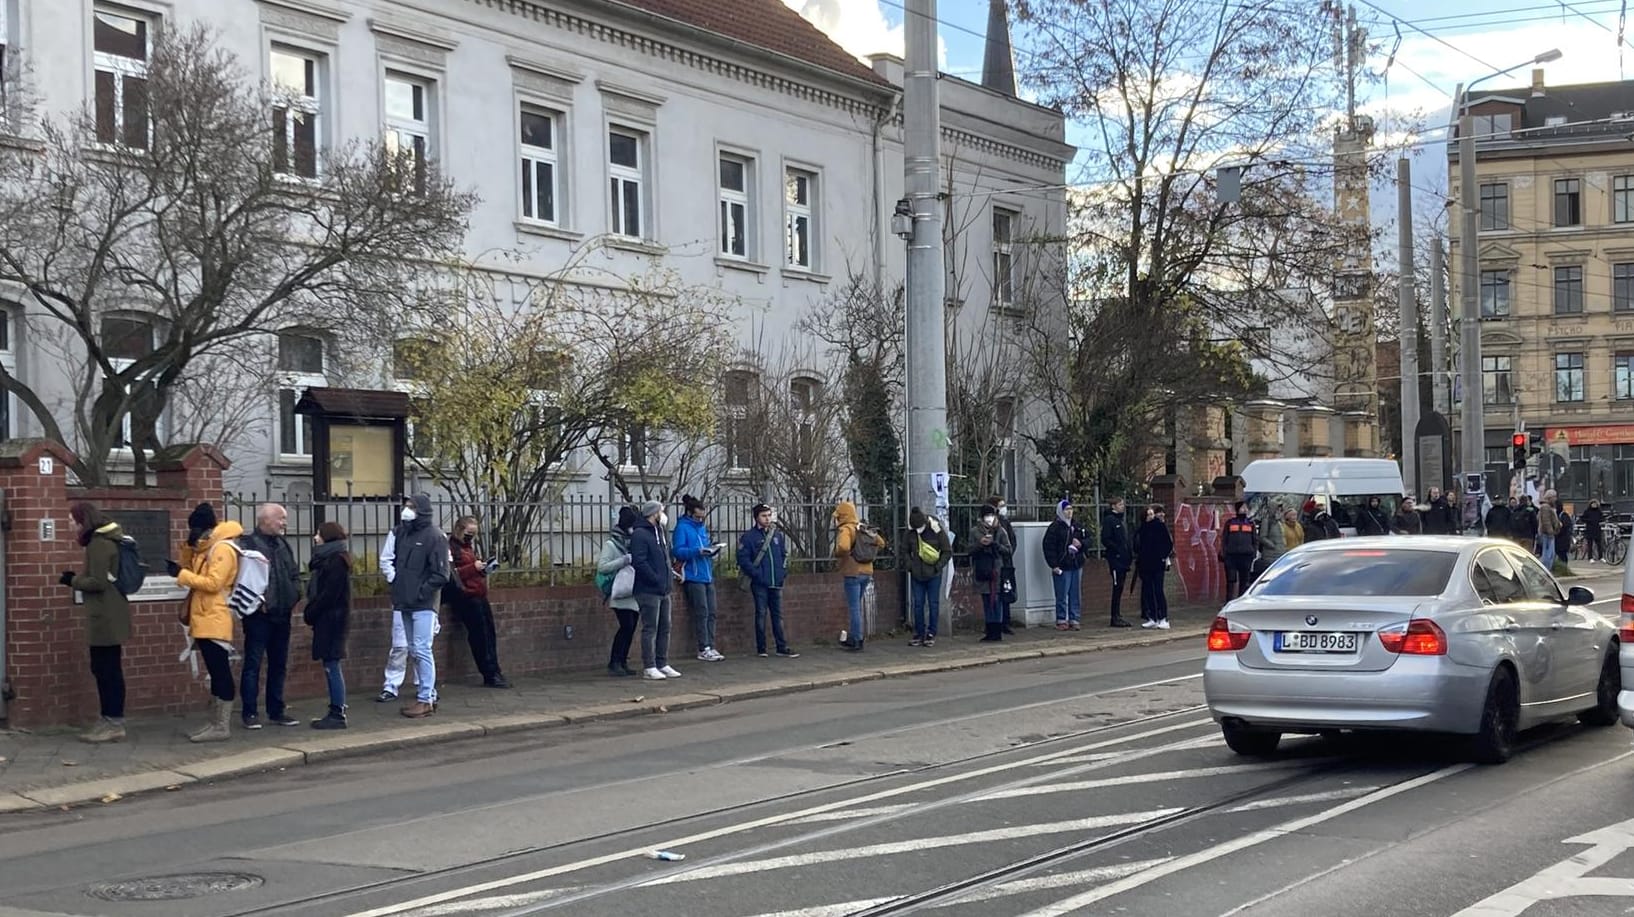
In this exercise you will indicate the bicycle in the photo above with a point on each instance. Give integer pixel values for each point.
(1614, 544)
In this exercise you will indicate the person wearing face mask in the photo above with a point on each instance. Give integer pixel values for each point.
(329, 614)
(929, 552)
(469, 596)
(207, 570)
(1007, 572)
(654, 582)
(422, 566)
(990, 550)
(855, 548)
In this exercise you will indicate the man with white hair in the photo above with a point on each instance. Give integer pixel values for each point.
(267, 632)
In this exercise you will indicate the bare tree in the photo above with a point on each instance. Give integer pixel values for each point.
(155, 237)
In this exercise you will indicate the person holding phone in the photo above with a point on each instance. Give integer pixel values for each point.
(696, 553)
(468, 593)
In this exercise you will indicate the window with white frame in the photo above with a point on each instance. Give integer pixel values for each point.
(122, 43)
(1004, 224)
(800, 217)
(409, 114)
(736, 182)
(297, 107)
(126, 339)
(805, 393)
(540, 178)
(626, 174)
(300, 367)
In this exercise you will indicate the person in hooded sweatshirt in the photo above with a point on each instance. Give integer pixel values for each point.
(208, 570)
(1120, 555)
(1154, 547)
(858, 574)
(697, 553)
(990, 550)
(615, 556)
(329, 613)
(423, 568)
(1064, 554)
(1594, 520)
(1373, 520)
(107, 617)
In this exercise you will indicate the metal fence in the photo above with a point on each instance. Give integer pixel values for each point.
(557, 543)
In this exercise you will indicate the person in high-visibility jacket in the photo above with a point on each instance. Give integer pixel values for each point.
(1239, 545)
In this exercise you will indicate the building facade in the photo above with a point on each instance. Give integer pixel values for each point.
(1556, 281)
(729, 141)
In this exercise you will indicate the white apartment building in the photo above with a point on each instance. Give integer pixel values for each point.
(730, 138)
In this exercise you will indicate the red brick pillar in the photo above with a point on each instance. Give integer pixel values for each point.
(46, 666)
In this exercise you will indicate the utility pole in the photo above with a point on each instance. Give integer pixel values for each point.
(1441, 395)
(1473, 433)
(1408, 303)
(926, 344)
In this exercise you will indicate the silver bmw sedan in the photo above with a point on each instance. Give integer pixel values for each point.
(1434, 634)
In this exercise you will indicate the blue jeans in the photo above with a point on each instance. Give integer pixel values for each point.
(1069, 595)
(855, 588)
(926, 592)
(769, 601)
(1548, 557)
(992, 607)
(269, 639)
(337, 683)
(701, 600)
(420, 627)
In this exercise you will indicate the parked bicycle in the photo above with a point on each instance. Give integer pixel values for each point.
(1614, 536)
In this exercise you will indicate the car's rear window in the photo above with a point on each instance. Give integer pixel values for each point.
(1363, 571)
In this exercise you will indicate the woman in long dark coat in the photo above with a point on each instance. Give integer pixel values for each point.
(1154, 545)
(329, 614)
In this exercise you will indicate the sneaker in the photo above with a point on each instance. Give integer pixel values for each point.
(930, 641)
(787, 653)
(419, 710)
(1060, 625)
(1163, 624)
(285, 720)
(762, 653)
(251, 722)
(1148, 624)
(386, 697)
(1075, 626)
(670, 672)
(653, 675)
(715, 655)
(917, 641)
(498, 681)
(705, 657)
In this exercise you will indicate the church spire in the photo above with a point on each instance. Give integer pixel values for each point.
(998, 64)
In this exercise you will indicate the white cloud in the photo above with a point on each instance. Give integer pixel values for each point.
(858, 26)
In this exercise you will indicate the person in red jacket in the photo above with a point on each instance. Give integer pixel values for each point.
(468, 593)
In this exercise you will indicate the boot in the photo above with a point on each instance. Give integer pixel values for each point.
(335, 720)
(1005, 627)
(1118, 621)
(107, 729)
(219, 728)
(992, 634)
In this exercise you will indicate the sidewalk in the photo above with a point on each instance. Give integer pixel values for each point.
(52, 768)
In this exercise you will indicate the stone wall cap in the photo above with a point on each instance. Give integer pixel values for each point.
(19, 452)
(185, 456)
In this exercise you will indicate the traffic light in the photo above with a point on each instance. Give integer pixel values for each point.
(1518, 441)
(1537, 442)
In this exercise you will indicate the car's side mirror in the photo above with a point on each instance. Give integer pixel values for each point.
(1578, 595)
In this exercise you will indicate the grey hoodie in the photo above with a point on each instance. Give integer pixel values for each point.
(422, 561)
(614, 554)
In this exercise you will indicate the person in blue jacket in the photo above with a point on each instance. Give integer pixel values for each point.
(697, 553)
(763, 557)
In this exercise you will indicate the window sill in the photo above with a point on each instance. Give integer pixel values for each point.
(14, 141)
(639, 246)
(547, 231)
(1578, 228)
(290, 462)
(1495, 318)
(730, 263)
(806, 275)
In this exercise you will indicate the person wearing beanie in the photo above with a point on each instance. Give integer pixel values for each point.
(1007, 573)
(208, 570)
(763, 559)
(615, 556)
(654, 582)
(107, 617)
(1063, 547)
(990, 550)
(928, 551)
(696, 554)
(422, 569)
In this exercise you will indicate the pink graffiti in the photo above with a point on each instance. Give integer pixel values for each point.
(1196, 551)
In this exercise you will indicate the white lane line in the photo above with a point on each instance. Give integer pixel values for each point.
(828, 910)
(1209, 854)
(742, 867)
(1277, 803)
(1073, 786)
(1078, 759)
(495, 903)
(740, 827)
(849, 814)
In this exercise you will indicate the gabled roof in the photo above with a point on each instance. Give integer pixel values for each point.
(766, 24)
(356, 403)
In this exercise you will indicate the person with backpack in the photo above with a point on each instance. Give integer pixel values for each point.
(107, 617)
(467, 592)
(329, 614)
(1548, 535)
(697, 554)
(654, 581)
(208, 570)
(1064, 542)
(1373, 520)
(990, 550)
(763, 558)
(615, 556)
(267, 632)
(1007, 573)
(929, 552)
(855, 548)
(422, 568)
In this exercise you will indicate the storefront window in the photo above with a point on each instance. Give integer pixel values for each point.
(1622, 471)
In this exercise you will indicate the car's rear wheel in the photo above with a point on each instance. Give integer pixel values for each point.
(1255, 743)
(1500, 716)
(1604, 711)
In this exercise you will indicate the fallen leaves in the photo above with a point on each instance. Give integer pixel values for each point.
(111, 797)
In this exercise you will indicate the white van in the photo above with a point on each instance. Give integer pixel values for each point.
(1341, 485)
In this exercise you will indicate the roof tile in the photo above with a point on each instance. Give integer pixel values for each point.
(767, 24)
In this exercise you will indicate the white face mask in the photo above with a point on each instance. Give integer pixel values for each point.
(1004, 511)
(409, 515)
(663, 519)
(988, 521)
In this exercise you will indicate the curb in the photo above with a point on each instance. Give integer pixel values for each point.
(333, 747)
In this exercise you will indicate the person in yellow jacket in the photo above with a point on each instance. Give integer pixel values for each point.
(208, 570)
(854, 548)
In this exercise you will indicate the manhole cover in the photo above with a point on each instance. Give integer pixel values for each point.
(177, 887)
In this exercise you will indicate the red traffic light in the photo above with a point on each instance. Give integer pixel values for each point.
(1518, 440)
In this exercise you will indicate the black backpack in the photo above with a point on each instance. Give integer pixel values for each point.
(131, 572)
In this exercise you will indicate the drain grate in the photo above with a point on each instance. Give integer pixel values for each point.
(177, 887)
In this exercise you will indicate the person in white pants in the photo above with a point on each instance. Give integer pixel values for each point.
(397, 659)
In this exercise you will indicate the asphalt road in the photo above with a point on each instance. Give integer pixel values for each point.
(1085, 785)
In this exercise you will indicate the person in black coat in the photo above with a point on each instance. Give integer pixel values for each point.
(1007, 573)
(1120, 555)
(1373, 519)
(1154, 545)
(1501, 518)
(1594, 520)
(1063, 549)
(329, 614)
(1523, 526)
(654, 580)
(1440, 518)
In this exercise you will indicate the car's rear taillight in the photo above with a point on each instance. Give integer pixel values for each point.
(1227, 636)
(1418, 637)
(1625, 627)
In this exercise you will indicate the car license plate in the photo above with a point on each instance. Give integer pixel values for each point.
(1301, 641)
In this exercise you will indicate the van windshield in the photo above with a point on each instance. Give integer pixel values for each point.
(1345, 508)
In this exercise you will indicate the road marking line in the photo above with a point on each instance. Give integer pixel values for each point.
(834, 910)
(740, 827)
(495, 903)
(892, 848)
(1568, 878)
(1208, 854)
(1156, 777)
(1347, 793)
(849, 814)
